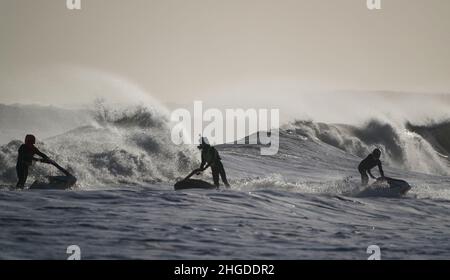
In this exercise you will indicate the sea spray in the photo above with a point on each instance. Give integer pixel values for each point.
(127, 146)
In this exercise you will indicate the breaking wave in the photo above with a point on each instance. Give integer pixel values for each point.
(126, 146)
(423, 149)
(132, 146)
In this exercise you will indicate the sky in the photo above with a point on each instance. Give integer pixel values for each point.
(220, 51)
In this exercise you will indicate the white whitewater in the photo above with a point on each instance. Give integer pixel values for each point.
(302, 203)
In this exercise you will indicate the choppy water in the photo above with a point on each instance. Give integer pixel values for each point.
(302, 203)
(155, 222)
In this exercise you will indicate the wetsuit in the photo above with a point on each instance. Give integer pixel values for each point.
(211, 157)
(24, 161)
(366, 165)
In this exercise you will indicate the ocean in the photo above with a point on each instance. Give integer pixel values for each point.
(305, 202)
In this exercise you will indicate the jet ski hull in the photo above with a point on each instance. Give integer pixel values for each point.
(193, 184)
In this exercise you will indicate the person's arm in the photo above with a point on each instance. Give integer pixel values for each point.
(41, 154)
(201, 169)
(203, 162)
(44, 160)
(381, 169)
(206, 167)
(370, 174)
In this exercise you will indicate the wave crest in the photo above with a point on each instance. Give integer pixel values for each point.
(130, 146)
(401, 147)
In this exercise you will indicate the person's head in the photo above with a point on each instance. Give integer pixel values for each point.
(204, 143)
(376, 153)
(30, 140)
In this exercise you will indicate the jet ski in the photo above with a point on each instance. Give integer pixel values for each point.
(402, 186)
(387, 187)
(396, 184)
(193, 184)
(188, 183)
(56, 182)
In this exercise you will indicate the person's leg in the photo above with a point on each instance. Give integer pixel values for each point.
(223, 175)
(19, 177)
(365, 181)
(215, 174)
(22, 174)
(364, 177)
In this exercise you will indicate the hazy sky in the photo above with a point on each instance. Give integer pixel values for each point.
(180, 50)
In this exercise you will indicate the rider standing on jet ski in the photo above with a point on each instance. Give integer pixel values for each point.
(367, 164)
(211, 158)
(26, 157)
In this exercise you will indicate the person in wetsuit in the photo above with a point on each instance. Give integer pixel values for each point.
(367, 164)
(27, 152)
(211, 158)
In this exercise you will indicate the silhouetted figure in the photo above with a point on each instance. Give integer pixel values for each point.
(25, 159)
(367, 164)
(211, 158)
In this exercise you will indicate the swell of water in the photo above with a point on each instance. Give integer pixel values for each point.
(131, 145)
(301, 203)
(154, 223)
(127, 146)
(401, 147)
